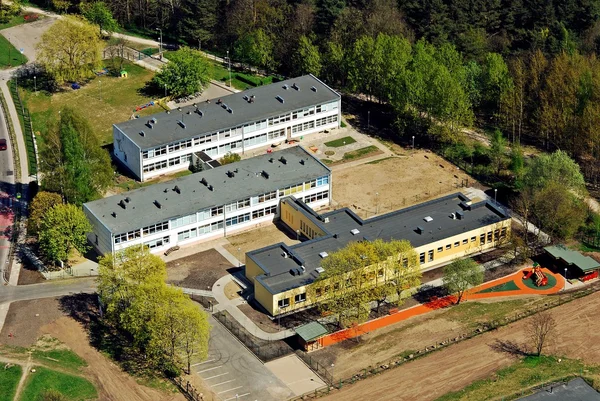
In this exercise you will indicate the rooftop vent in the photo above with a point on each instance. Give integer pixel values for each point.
(280, 99)
(323, 255)
(181, 123)
(335, 235)
(252, 98)
(312, 88)
(295, 86)
(224, 106)
(179, 109)
(142, 133)
(157, 204)
(428, 219)
(283, 160)
(149, 124)
(326, 220)
(230, 174)
(420, 230)
(286, 87)
(176, 189)
(122, 204)
(302, 161)
(114, 214)
(230, 110)
(168, 111)
(271, 160)
(219, 101)
(154, 120)
(203, 181)
(246, 97)
(285, 254)
(211, 188)
(128, 199)
(293, 272)
(200, 112)
(460, 214)
(319, 270)
(189, 112)
(354, 231)
(264, 174)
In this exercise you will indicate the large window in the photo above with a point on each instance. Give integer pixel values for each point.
(216, 211)
(155, 166)
(129, 236)
(326, 120)
(303, 127)
(279, 119)
(232, 221)
(157, 242)
(232, 207)
(300, 298)
(183, 221)
(267, 197)
(174, 147)
(316, 197)
(276, 134)
(291, 190)
(283, 303)
(187, 234)
(264, 212)
(148, 154)
(156, 228)
(217, 225)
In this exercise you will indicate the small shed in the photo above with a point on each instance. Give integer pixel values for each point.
(588, 267)
(309, 335)
(123, 74)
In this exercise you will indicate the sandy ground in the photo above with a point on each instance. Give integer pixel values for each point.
(199, 271)
(258, 238)
(27, 36)
(395, 183)
(111, 382)
(25, 318)
(459, 365)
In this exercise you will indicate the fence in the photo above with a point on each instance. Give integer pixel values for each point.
(265, 350)
(28, 134)
(190, 391)
(554, 301)
(317, 367)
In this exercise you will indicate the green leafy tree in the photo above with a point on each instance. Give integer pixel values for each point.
(197, 20)
(187, 72)
(229, 158)
(70, 49)
(557, 210)
(498, 152)
(334, 63)
(307, 59)
(557, 168)
(73, 162)
(99, 14)
(63, 229)
(39, 206)
(517, 164)
(461, 275)
(328, 11)
(496, 79)
(255, 49)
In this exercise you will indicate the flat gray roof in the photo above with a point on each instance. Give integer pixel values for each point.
(194, 196)
(401, 225)
(575, 390)
(215, 118)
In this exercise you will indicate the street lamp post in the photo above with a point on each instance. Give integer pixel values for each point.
(565, 278)
(239, 256)
(35, 84)
(160, 43)
(413, 138)
(165, 90)
(495, 195)
(100, 88)
(229, 67)
(369, 119)
(297, 235)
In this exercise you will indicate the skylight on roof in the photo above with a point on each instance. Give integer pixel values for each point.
(354, 231)
(428, 219)
(323, 254)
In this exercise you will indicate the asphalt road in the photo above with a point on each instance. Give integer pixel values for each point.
(49, 289)
(231, 369)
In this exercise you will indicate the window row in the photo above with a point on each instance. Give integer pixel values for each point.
(267, 197)
(174, 161)
(183, 221)
(147, 154)
(279, 119)
(155, 228)
(326, 120)
(285, 302)
(315, 197)
(291, 190)
(241, 204)
(303, 127)
(157, 243)
(264, 212)
(232, 221)
(186, 143)
(130, 236)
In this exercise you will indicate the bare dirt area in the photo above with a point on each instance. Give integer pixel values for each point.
(255, 239)
(396, 182)
(25, 319)
(29, 274)
(260, 318)
(112, 383)
(455, 367)
(199, 271)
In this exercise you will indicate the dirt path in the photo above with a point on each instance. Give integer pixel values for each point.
(112, 383)
(26, 368)
(455, 367)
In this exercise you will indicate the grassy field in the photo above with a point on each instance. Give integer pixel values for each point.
(16, 20)
(9, 379)
(102, 101)
(9, 56)
(72, 387)
(515, 381)
(336, 143)
(362, 152)
(62, 358)
(474, 313)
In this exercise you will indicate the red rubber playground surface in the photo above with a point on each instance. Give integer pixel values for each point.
(555, 285)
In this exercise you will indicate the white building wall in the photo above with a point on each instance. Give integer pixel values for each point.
(169, 238)
(220, 143)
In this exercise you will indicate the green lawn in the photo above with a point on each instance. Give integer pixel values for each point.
(358, 153)
(508, 286)
(516, 380)
(9, 379)
(9, 56)
(475, 313)
(347, 140)
(14, 21)
(73, 387)
(103, 101)
(63, 358)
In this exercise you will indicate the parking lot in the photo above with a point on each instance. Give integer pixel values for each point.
(233, 373)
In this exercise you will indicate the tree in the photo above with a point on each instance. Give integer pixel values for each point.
(307, 59)
(52, 395)
(539, 328)
(229, 158)
(99, 14)
(73, 162)
(39, 206)
(496, 78)
(557, 168)
(194, 334)
(70, 49)
(197, 20)
(557, 211)
(63, 229)
(186, 73)
(517, 164)
(498, 152)
(255, 49)
(460, 275)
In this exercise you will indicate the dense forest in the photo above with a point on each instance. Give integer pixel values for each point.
(526, 67)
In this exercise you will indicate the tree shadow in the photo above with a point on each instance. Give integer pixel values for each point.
(510, 347)
(151, 89)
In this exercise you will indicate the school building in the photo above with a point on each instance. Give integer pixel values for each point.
(169, 141)
(439, 230)
(208, 204)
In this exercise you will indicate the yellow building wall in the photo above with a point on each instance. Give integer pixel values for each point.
(252, 269)
(270, 301)
(297, 220)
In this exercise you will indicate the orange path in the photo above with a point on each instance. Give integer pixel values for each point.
(384, 321)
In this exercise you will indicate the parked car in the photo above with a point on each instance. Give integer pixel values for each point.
(170, 46)
(2, 143)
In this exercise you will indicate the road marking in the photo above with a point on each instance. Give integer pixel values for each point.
(237, 396)
(228, 381)
(202, 363)
(212, 377)
(231, 389)
(206, 370)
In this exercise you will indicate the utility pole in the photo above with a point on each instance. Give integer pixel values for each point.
(160, 43)
(229, 67)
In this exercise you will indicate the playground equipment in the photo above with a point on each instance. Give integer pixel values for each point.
(539, 276)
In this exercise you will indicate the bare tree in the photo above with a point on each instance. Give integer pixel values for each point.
(539, 328)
